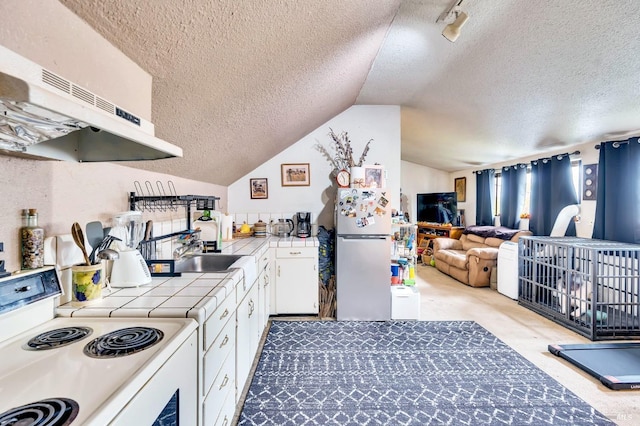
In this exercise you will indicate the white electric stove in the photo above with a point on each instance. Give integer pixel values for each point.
(90, 371)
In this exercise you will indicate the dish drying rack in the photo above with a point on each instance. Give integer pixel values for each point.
(170, 202)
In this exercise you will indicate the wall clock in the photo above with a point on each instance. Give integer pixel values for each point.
(342, 178)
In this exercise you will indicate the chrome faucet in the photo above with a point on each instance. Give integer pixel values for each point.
(192, 245)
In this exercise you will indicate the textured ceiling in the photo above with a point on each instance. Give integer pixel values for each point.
(238, 81)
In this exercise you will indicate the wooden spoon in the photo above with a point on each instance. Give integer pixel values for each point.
(78, 238)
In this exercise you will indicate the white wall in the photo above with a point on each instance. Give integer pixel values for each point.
(417, 179)
(361, 122)
(64, 193)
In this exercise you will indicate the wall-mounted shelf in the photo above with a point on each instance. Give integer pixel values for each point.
(172, 202)
(162, 203)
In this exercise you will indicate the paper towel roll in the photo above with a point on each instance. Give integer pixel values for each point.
(227, 227)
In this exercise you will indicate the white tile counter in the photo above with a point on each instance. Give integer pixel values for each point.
(181, 296)
(293, 242)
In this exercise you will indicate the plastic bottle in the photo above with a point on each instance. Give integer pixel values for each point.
(31, 240)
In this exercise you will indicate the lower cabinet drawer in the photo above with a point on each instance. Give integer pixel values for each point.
(294, 252)
(217, 320)
(227, 412)
(222, 390)
(215, 357)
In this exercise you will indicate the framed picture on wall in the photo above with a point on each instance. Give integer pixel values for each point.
(259, 188)
(460, 185)
(295, 174)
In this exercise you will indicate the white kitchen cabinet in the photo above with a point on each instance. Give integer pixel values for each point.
(264, 280)
(247, 336)
(296, 280)
(218, 363)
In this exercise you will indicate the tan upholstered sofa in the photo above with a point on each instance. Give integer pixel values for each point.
(471, 258)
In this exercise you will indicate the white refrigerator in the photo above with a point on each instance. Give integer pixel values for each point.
(363, 248)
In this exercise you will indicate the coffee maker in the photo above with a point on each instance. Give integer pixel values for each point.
(303, 227)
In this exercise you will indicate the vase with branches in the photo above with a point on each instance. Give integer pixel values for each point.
(342, 158)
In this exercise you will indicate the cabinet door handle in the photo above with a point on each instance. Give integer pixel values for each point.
(278, 270)
(224, 314)
(225, 340)
(224, 382)
(295, 252)
(225, 422)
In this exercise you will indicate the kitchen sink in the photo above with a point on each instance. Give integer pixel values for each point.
(206, 262)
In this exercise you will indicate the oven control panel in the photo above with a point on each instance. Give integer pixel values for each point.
(27, 287)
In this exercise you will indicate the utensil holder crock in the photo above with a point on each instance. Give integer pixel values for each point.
(87, 283)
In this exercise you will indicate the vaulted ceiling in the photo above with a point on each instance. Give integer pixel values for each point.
(238, 81)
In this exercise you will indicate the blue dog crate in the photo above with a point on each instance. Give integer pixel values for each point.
(589, 286)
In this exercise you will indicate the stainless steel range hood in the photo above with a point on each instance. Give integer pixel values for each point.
(43, 115)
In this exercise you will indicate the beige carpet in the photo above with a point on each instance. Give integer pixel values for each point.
(443, 298)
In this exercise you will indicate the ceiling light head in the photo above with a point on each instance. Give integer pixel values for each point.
(452, 31)
(455, 18)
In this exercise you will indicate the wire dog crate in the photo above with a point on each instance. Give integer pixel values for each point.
(589, 286)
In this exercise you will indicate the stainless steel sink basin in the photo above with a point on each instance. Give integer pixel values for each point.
(205, 262)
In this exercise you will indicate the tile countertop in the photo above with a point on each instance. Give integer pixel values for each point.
(192, 295)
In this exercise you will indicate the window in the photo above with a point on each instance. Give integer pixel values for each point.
(576, 166)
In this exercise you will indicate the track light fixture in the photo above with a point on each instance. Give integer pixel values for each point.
(457, 19)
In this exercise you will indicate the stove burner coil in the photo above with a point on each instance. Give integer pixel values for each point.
(123, 342)
(56, 338)
(46, 412)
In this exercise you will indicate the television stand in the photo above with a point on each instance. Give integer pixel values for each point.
(435, 230)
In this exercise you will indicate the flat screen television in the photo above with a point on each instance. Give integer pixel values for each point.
(437, 207)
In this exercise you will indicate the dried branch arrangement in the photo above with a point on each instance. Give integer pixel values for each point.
(343, 158)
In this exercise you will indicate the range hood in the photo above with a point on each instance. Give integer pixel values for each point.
(43, 115)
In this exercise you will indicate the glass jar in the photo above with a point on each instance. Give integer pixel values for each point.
(32, 241)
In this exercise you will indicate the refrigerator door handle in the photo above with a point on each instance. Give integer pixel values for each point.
(364, 237)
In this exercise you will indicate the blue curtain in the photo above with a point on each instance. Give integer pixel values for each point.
(485, 196)
(618, 193)
(512, 194)
(551, 190)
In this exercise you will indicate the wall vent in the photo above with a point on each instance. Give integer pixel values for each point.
(83, 95)
(105, 105)
(77, 92)
(58, 82)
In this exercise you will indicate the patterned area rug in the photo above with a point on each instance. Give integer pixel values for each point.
(402, 373)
